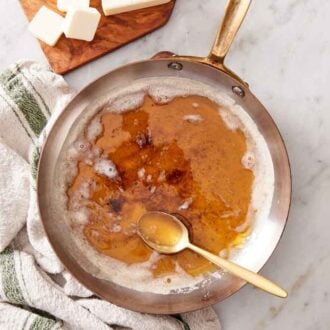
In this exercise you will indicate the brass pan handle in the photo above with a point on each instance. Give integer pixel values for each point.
(235, 13)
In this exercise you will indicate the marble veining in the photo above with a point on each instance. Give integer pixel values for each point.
(283, 51)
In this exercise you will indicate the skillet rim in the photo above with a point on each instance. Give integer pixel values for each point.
(135, 307)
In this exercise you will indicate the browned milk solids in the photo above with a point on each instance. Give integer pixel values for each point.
(179, 158)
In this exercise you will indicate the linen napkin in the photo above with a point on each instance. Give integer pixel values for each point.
(36, 292)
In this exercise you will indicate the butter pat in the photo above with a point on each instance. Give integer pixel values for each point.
(112, 7)
(81, 23)
(46, 25)
(65, 5)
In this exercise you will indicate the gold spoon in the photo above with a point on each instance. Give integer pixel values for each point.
(167, 234)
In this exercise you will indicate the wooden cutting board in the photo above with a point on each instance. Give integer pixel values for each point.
(113, 32)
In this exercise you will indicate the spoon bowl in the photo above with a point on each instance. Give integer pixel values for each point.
(163, 232)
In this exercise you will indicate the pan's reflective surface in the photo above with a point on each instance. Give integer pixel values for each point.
(266, 235)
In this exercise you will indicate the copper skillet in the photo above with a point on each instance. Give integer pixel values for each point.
(212, 71)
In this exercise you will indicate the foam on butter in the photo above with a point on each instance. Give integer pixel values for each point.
(257, 158)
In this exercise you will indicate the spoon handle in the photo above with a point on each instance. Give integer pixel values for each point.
(241, 272)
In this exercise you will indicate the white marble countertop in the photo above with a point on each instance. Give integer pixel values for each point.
(283, 51)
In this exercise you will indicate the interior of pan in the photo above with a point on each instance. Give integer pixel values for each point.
(256, 251)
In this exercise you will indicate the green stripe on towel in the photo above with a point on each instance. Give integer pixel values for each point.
(24, 100)
(42, 323)
(34, 161)
(34, 89)
(10, 283)
(18, 118)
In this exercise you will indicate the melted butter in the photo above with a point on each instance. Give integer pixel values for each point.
(167, 163)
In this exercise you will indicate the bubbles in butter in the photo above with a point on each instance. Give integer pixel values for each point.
(257, 158)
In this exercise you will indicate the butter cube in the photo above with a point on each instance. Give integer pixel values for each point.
(112, 7)
(81, 23)
(65, 5)
(47, 26)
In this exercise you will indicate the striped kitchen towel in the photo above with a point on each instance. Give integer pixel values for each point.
(36, 292)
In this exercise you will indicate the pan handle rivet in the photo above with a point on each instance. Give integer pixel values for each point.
(175, 66)
(238, 91)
